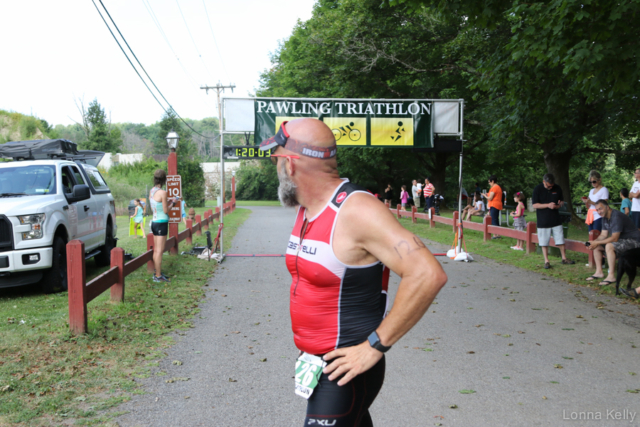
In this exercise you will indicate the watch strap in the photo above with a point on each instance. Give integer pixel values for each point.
(374, 341)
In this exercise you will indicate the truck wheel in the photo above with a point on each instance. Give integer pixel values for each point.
(56, 280)
(103, 259)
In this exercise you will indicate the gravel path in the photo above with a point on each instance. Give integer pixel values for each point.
(535, 351)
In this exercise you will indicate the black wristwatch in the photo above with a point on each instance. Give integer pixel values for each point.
(374, 341)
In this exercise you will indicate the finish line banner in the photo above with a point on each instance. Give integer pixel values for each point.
(354, 122)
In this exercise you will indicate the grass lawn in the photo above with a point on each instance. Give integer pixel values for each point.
(50, 377)
(499, 250)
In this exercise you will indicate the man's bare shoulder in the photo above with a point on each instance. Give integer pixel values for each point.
(363, 209)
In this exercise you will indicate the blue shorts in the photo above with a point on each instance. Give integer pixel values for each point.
(596, 225)
(635, 217)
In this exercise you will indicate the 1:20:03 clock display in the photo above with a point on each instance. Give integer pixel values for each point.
(245, 152)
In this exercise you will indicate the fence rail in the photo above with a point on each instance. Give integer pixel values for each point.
(529, 236)
(82, 292)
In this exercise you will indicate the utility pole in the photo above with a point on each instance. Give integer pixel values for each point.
(219, 88)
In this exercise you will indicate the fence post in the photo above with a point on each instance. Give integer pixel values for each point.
(199, 221)
(150, 267)
(76, 280)
(531, 228)
(190, 228)
(117, 260)
(206, 219)
(485, 232)
(432, 214)
(593, 235)
(398, 211)
(413, 214)
(455, 220)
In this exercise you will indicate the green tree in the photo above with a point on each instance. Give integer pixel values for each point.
(355, 49)
(100, 135)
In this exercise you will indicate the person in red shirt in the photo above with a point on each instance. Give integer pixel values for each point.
(494, 202)
(340, 250)
(428, 191)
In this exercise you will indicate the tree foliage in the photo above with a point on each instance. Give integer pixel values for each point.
(99, 133)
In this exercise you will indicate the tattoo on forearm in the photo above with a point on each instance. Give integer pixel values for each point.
(404, 247)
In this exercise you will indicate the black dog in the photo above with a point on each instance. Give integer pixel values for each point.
(628, 262)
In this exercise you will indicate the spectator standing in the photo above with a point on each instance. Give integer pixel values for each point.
(494, 201)
(634, 195)
(429, 191)
(183, 212)
(404, 197)
(160, 205)
(416, 190)
(518, 219)
(137, 219)
(619, 234)
(388, 194)
(547, 199)
(625, 207)
(598, 192)
(478, 189)
(478, 207)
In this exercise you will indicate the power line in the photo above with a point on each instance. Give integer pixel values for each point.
(192, 39)
(155, 20)
(214, 39)
(136, 70)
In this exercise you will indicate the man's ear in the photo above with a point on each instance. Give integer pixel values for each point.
(292, 168)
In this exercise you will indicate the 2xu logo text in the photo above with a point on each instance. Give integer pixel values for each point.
(320, 422)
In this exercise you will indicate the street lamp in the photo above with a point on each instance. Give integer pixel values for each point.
(172, 139)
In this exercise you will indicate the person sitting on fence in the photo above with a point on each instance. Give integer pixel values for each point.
(598, 192)
(388, 194)
(547, 200)
(625, 207)
(518, 219)
(477, 208)
(138, 219)
(160, 206)
(619, 234)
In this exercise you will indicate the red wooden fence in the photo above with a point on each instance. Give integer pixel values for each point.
(81, 292)
(487, 230)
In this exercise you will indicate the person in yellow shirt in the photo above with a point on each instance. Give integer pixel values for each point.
(494, 202)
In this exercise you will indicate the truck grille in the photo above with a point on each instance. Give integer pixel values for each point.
(6, 234)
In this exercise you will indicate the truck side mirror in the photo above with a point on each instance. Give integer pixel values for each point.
(80, 192)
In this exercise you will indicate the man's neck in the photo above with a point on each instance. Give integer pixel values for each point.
(314, 194)
(608, 214)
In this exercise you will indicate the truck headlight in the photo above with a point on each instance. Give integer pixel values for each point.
(36, 221)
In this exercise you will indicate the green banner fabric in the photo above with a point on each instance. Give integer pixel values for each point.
(354, 122)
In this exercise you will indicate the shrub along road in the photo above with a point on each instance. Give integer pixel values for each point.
(500, 346)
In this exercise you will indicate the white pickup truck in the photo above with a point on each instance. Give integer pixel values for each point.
(50, 194)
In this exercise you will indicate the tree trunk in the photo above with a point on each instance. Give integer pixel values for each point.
(438, 175)
(557, 163)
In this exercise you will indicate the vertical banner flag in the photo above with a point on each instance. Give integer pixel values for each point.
(354, 122)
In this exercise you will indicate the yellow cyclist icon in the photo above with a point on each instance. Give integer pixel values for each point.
(354, 134)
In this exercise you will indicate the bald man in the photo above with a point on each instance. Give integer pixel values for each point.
(342, 239)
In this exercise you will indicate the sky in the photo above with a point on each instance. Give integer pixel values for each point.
(57, 53)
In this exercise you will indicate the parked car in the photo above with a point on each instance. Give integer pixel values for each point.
(51, 193)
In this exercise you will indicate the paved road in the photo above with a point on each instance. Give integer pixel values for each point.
(536, 351)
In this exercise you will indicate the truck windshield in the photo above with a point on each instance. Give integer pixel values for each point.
(34, 180)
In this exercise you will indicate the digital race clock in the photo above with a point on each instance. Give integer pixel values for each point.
(244, 152)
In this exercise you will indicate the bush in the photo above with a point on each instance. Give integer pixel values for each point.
(257, 180)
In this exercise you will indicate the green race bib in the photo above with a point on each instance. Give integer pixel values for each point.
(308, 371)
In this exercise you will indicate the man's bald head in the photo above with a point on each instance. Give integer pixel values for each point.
(311, 131)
